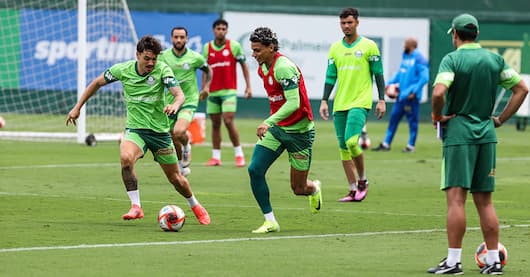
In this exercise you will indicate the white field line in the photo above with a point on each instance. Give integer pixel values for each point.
(229, 240)
(508, 159)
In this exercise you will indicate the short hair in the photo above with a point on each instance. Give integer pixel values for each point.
(466, 35)
(220, 21)
(264, 36)
(149, 43)
(179, 28)
(349, 11)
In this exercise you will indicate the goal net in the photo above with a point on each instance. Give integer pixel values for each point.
(49, 52)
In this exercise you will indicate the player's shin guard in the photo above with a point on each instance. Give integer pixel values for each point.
(262, 158)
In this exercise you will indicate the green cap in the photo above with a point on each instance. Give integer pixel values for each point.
(462, 23)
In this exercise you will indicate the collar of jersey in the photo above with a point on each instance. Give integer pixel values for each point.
(473, 45)
(353, 43)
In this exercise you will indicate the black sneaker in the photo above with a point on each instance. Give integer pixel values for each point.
(443, 268)
(494, 269)
(408, 149)
(381, 147)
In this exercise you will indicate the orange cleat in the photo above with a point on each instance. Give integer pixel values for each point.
(240, 161)
(202, 215)
(134, 213)
(213, 162)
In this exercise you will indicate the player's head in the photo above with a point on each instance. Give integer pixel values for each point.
(220, 28)
(411, 43)
(349, 20)
(179, 37)
(264, 45)
(147, 50)
(464, 27)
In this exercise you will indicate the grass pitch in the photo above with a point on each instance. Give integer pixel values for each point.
(61, 207)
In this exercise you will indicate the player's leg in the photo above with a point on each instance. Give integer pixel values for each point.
(164, 153)
(132, 148)
(412, 111)
(229, 107)
(339, 122)
(181, 139)
(213, 109)
(356, 118)
(482, 187)
(266, 151)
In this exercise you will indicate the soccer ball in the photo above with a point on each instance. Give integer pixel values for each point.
(2, 122)
(482, 251)
(364, 142)
(392, 91)
(171, 218)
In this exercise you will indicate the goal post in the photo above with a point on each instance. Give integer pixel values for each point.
(49, 51)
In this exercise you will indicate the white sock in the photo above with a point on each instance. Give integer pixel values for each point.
(134, 195)
(270, 217)
(492, 257)
(216, 154)
(453, 256)
(192, 201)
(238, 151)
(385, 144)
(317, 189)
(353, 186)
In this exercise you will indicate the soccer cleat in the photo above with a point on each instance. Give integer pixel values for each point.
(381, 147)
(186, 155)
(213, 162)
(494, 269)
(240, 161)
(349, 197)
(134, 213)
(201, 214)
(362, 190)
(408, 149)
(443, 268)
(267, 227)
(315, 200)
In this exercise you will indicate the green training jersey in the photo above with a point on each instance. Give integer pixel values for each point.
(472, 75)
(185, 69)
(144, 95)
(353, 66)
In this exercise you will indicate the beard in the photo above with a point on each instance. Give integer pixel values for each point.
(179, 47)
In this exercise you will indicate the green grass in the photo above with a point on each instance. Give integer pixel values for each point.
(55, 195)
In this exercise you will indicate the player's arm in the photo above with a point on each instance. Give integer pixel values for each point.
(240, 58)
(519, 92)
(422, 69)
(92, 88)
(206, 80)
(376, 69)
(174, 88)
(329, 83)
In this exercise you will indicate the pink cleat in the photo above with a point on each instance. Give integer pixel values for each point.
(349, 197)
(240, 161)
(202, 215)
(362, 190)
(213, 162)
(134, 213)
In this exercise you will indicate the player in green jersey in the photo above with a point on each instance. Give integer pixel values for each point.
(289, 127)
(353, 62)
(147, 125)
(184, 62)
(465, 89)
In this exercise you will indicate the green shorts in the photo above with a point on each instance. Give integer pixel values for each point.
(471, 167)
(299, 146)
(348, 124)
(185, 112)
(221, 104)
(160, 144)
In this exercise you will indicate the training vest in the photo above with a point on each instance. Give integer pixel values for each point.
(277, 97)
(223, 66)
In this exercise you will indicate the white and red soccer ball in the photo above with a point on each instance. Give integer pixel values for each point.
(482, 251)
(364, 142)
(2, 122)
(392, 91)
(171, 218)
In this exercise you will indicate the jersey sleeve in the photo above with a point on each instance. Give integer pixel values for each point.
(446, 74)
(114, 73)
(237, 51)
(168, 77)
(199, 61)
(509, 77)
(374, 59)
(288, 77)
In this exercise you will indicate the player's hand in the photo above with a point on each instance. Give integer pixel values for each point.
(262, 129)
(171, 109)
(248, 93)
(72, 117)
(324, 112)
(380, 109)
(204, 94)
(496, 121)
(443, 120)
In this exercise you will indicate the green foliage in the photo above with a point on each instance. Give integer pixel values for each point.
(64, 194)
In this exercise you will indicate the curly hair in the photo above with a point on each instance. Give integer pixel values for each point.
(264, 36)
(149, 43)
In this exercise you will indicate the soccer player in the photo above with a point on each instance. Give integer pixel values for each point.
(411, 77)
(289, 127)
(465, 89)
(147, 124)
(352, 62)
(222, 55)
(184, 62)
